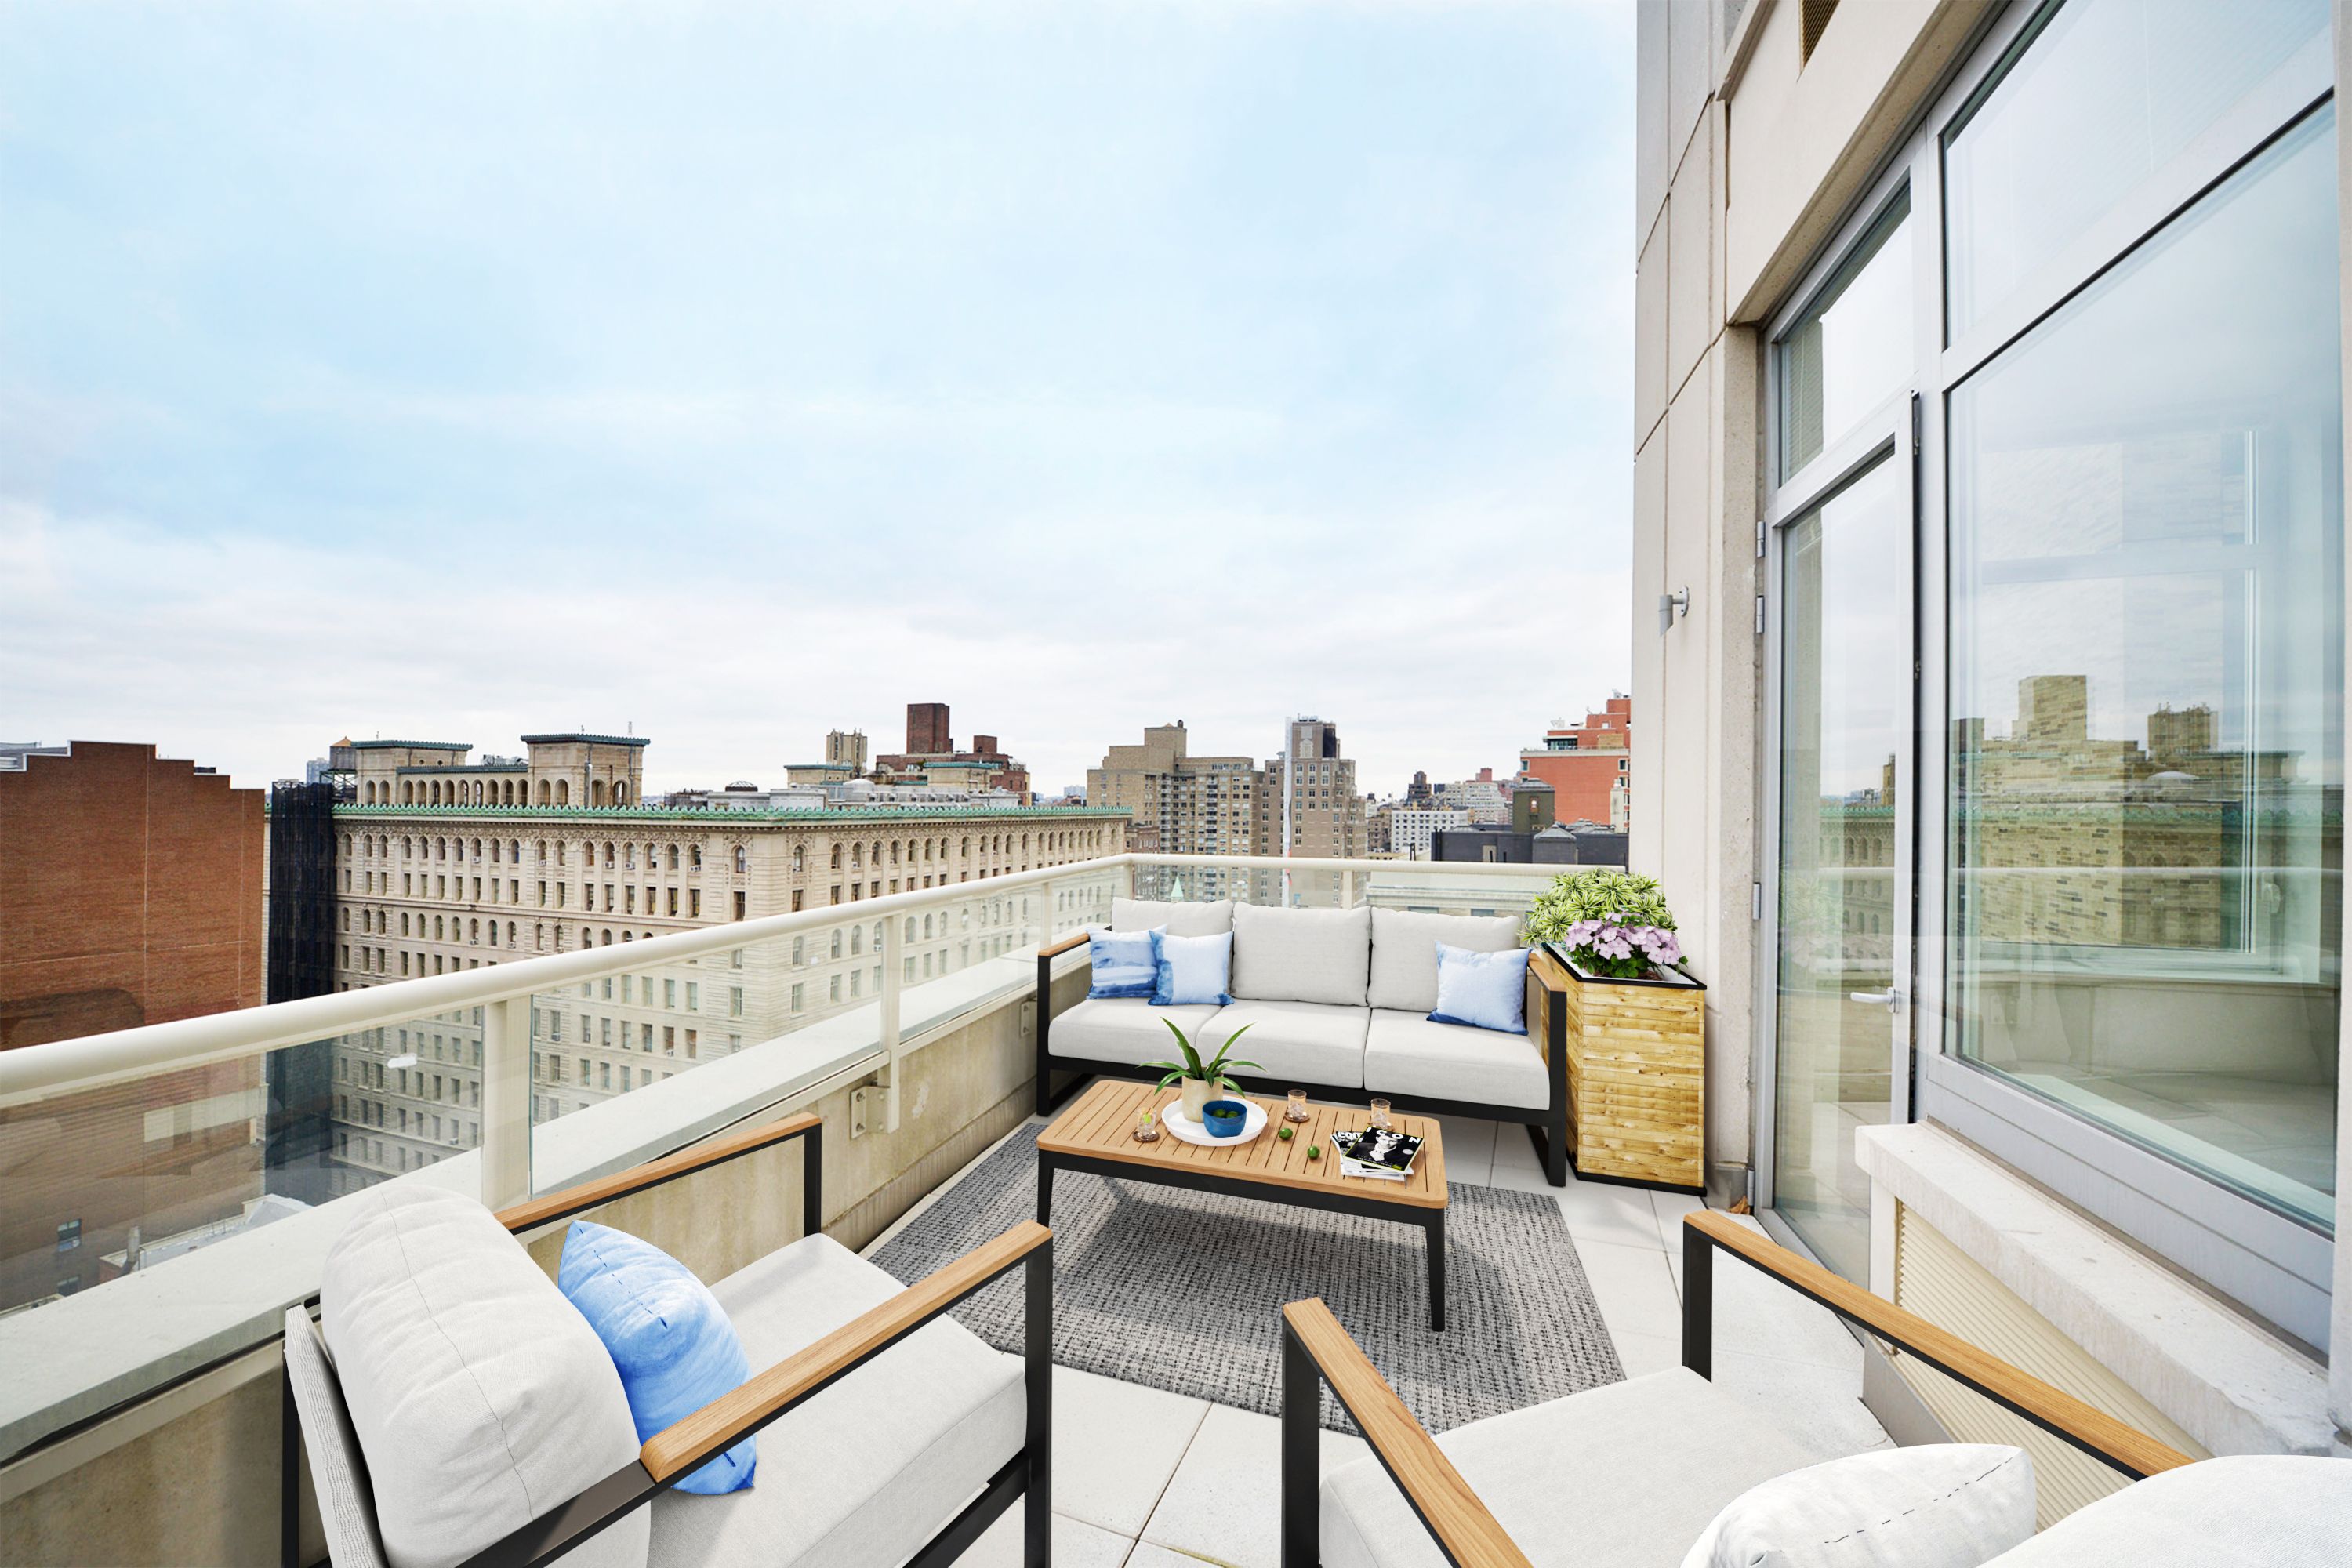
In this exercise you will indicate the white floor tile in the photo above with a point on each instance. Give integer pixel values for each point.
(1516, 1165)
(1469, 1149)
(1671, 1207)
(1226, 1502)
(1620, 1217)
(1636, 1291)
(1645, 1353)
(1115, 1446)
(1077, 1544)
(1148, 1555)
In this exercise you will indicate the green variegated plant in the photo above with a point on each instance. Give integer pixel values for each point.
(1211, 1072)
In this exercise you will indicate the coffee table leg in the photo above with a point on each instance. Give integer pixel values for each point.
(1045, 1189)
(1435, 1230)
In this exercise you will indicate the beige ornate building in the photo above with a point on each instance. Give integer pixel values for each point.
(426, 888)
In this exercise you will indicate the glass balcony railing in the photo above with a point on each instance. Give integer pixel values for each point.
(171, 1188)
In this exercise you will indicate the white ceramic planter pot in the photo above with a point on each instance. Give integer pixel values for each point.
(1196, 1094)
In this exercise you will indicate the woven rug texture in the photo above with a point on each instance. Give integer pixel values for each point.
(1183, 1290)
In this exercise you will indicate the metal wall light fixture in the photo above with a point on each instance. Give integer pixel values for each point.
(1668, 604)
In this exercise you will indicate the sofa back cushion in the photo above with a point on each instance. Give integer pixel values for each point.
(480, 1397)
(1404, 952)
(1302, 955)
(1176, 920)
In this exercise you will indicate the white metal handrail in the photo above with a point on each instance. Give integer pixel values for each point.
(503, 991)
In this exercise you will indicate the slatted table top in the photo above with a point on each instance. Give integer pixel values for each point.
(1101, 1124)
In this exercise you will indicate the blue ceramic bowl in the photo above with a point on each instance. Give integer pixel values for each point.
(1224, 1118)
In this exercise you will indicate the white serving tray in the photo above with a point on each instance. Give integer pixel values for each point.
(1192, 1131)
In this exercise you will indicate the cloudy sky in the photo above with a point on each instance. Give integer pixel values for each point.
(737, 372)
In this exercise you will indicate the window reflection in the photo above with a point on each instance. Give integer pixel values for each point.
(2146, 510)
(2122, 87)
(1852, 347)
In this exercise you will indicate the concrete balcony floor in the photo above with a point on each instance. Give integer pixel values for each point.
(1152, 1480)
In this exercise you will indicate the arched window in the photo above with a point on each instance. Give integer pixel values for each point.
(742, 859)
(673, 857)
(836, 944)
(563, 792)
(545, 794)
(620, 793)
(611, 857)
(436, 928)
(799, 857)
(596, 793)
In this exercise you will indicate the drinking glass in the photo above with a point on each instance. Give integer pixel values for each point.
(1381, 1114)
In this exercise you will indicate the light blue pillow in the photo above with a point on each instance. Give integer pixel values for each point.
(1124, 963)
(665, 1333)
(1483, 990)
(1191, 969)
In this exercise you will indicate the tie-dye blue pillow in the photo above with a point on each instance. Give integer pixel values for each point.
(1123, 962)
(1192, 968)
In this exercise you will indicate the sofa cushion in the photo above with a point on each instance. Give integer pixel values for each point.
(1121, 963)
(1177, 919)
(1938, 1505)
(1294, 1042)
(2250, 1510)
(1483, 990)
(480, 1398)
(1404, 952)
(1192, 971)
(1622, 1477)
(863, 1474)
(1405, 1053)
(1302, 955)
(1128, 1031)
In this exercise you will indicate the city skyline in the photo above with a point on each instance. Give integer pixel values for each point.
(738, 403)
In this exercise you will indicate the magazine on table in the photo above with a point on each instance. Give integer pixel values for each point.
(1381, 1154)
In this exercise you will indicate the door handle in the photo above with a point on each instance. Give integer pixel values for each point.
(1890, 998)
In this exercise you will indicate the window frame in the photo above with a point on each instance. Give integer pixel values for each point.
(2274, 1264)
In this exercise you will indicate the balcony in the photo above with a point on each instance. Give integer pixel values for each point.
(256, 1128)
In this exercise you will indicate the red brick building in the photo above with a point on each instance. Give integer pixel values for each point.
(132, 895)
(1589, 766)
(931, 757)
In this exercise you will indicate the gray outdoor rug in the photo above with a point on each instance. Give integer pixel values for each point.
(1183, 1290)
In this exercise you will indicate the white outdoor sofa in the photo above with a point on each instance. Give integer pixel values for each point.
(1337, 1003)
(456, 1410)
(1632, 1475)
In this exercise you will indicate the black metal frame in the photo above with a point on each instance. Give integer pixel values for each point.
(1547, 1125)
(1027, 1474)
(1303, 1381)
(1432, 1220)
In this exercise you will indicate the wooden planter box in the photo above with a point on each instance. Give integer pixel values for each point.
(1637, 1078)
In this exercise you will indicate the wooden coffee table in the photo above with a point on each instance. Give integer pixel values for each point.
(1096, 1133)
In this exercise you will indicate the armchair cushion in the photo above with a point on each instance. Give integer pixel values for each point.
(1405, 1053)
(1622, 1477)
(480, 1398)
(877, 1463)
(2250, 1510)
(1302, 955)
(1175, 919)
(1299, 1042)
(669, 1338)
(1404, 952)
(1940, 1505)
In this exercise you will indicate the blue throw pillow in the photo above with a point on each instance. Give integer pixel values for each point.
(1483, 990)
(667, 1335)
(1124, 963)
(1191, 969)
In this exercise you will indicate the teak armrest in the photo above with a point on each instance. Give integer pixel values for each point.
(1315, 1346)
(1056, 949)
(734, 1415)
(586, 1195)
(2094, 1431)
(1545, 970)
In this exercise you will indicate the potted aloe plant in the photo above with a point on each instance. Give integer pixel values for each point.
(1202, 1080)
